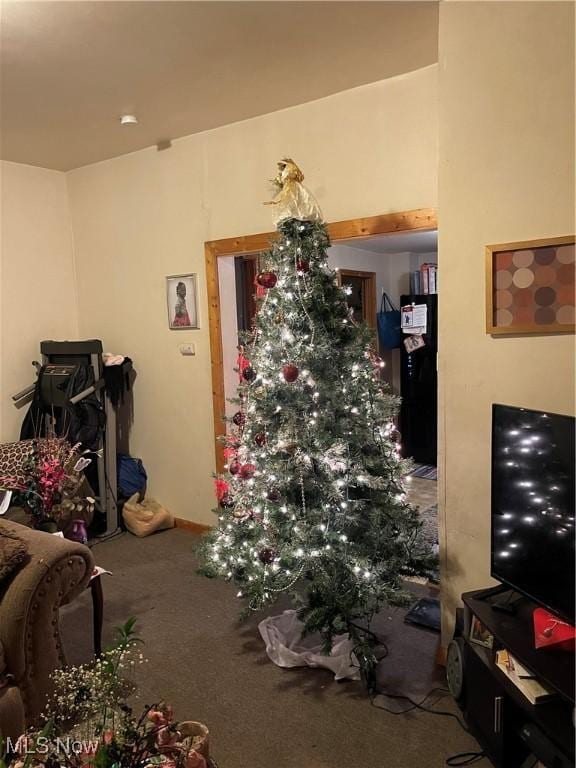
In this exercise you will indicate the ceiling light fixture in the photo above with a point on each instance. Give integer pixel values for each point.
(128, 120)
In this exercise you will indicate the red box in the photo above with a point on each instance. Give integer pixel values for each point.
(552, 632)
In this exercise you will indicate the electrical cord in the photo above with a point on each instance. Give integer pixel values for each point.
(465, 758)
(458, 760)
(417, 705)
(377, 640)
(118, 531)
(111, 489)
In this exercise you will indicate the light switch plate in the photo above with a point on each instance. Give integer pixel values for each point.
(187, 349)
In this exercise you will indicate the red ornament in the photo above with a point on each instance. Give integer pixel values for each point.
(247, 471)
(267, 279)
(249, 374)
(234, 467)
(239, 419)
(273, 495)
(260, 439)
(290, 372)
(267, 555)
(302, 266)
(227, 501)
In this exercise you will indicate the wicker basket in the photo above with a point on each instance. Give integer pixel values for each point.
(195, 736)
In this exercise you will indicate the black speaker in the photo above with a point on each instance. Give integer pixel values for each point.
(455, 667)
(455, 658)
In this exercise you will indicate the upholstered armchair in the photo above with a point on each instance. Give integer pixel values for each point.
(54, 572)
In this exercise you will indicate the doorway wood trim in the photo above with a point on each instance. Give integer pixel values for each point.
(368, 292)
(388, 223)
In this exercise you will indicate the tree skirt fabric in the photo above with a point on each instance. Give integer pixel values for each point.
(286, 647)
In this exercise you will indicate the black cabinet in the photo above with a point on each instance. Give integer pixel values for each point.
(493, 717)
(495, 710)
(419, 388)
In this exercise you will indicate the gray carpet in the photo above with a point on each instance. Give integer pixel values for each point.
(429, 518)
(215, 670)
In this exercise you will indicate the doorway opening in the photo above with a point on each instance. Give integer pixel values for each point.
(405, 269)
(362, 294)
(245, 271)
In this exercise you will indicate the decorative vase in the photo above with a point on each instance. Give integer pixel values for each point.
(78, 532)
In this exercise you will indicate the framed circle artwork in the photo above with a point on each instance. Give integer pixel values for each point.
(530, 287)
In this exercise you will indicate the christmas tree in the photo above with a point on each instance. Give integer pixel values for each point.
(312, 501)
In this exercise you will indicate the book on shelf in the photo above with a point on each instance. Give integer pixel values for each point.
(522, 678)
(415, 282)
(428, 278)
(424, 278)
(432, 275)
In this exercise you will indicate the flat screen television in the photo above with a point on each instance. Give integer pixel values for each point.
(533, 506)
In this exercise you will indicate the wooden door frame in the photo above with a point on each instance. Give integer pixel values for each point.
(368, 292)
(407, 221)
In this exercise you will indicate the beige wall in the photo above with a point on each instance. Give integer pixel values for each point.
(506, 173)
(38, 294)
(142, 216)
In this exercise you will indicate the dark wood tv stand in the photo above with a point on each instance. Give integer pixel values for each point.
(494, 708)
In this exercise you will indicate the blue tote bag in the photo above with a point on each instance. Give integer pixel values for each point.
(389, 331)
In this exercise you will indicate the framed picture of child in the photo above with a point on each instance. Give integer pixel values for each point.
(479, 634)
(182, 300)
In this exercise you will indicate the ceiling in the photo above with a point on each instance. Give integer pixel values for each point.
(408, 242)
(70, 69)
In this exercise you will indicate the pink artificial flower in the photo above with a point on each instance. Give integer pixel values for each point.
(243, 363)
(166, 738)
(51, 475)
(222, 488)
(156, 717)
(195, 760)
(260, 290)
